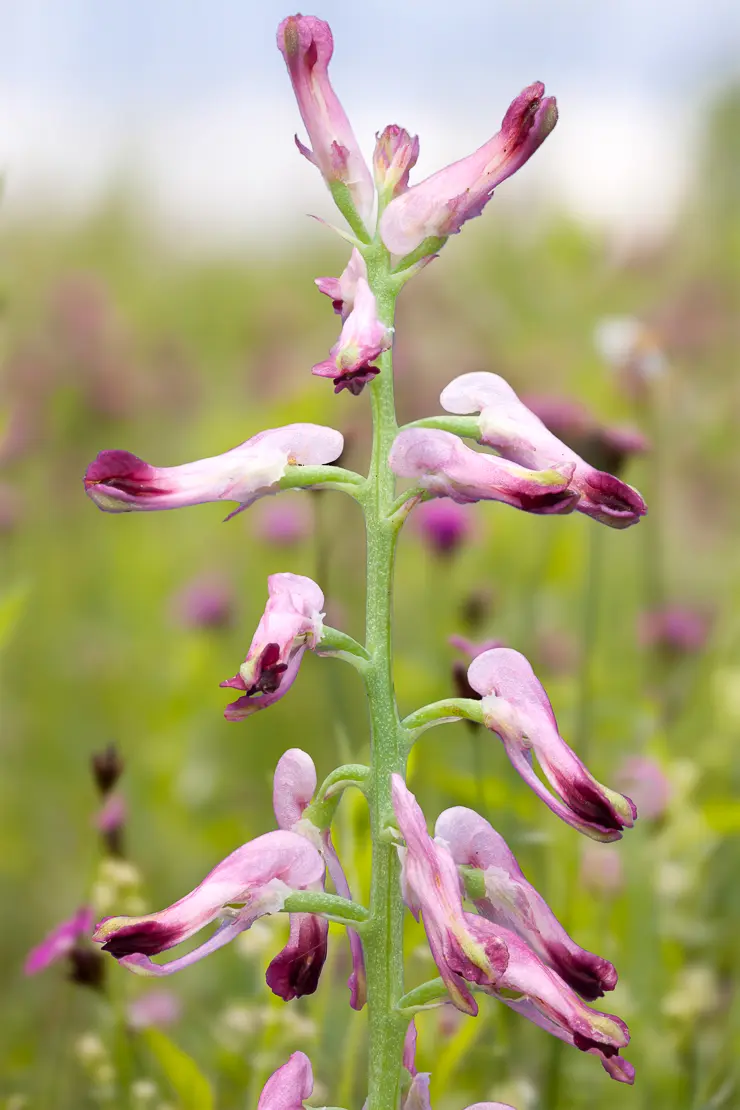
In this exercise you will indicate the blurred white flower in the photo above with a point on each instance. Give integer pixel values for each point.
(696, 992)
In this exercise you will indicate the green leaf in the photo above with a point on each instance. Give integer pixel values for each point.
(183, 1074)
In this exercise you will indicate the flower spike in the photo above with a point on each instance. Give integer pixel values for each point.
(295, 971)
(514, 903)
(441, 204)
(516, 707)
(291, 622)
(396, 154)
(307, 45)
(288, 1086)
(462, 950)
(362, 340)
(443, 466)
(118, 481)
(507, 425)
(258, 876)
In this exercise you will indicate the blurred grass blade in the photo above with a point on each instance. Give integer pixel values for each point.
(191, 1087)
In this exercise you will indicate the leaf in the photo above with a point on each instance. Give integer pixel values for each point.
(183, 1074)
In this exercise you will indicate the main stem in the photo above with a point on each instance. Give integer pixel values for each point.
(383, 938)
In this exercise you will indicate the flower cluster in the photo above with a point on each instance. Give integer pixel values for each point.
(489, 931)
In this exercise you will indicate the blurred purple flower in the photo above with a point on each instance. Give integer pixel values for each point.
(601, 867)
(606, 448)
(158, 1008)
(473, 648)
(443, 524)
(61, 941)
(675, 630)
(283, 523)
(205, 602)
(647, 784)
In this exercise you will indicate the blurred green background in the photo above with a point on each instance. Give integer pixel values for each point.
(112, 340)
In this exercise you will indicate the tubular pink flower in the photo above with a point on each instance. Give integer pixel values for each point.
(291, 622)
(307, 45)
(118, 481)
(294, 785)
(441, 204)
(396, 154)
(362, 340)
(60, 942)
(431, 887)
(514, 903)
(518, 435)
(441, 464)
(516, 707)
(554, 1006)
(258, 877)
(288, 1086)
(343, 289)
(473, 648)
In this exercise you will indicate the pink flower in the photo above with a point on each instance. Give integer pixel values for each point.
(297, 968)
(443, 524)
(362, 340)
(443, 466)
(516, 707)
(343, 289)
(441, 204)
(647, 784)
(205, 602)
(396, 154)
(118, 481)
(675, 629)
(288, 1086)
(431, 886)
(258, 877)
(552, 1005)
(112, 814)
(292, 621)
(60, 942)
(307, 45)
(508, 426)
(514, 903)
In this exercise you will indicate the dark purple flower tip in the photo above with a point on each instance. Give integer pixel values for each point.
(355, 380)
(107, 768)
(586, 973)
(541, 504)
(611, 500)
(588, 802)
(296, 970)
(143, 937)
(122, 471)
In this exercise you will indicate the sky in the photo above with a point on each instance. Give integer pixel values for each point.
(189, 103)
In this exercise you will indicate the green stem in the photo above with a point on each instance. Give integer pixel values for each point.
(383, 932)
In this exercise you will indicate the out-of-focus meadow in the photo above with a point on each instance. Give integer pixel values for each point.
(121, 628)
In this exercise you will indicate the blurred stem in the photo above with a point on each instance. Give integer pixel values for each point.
(383, 932)
(589, 641)
(581, 736)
